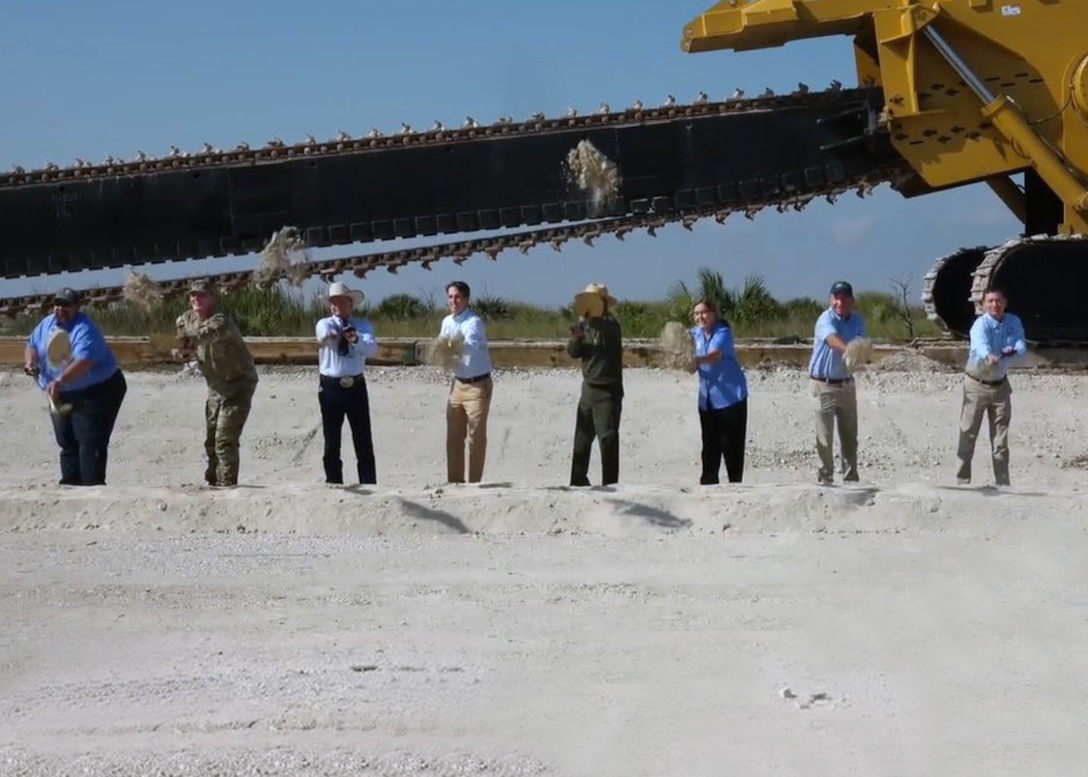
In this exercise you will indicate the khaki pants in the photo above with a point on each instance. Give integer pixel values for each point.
(466, 415)
(836, 402)
(995, 402)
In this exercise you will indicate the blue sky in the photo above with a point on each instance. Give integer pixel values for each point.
(91, 79)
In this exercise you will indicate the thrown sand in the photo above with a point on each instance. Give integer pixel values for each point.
(903, 626)
(595, 174)
(142, 292)
(679, 350)
(444, 352)
(858, 353)
(283, 258)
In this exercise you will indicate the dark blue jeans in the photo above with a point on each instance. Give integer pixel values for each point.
(84, 434)
(336, 403)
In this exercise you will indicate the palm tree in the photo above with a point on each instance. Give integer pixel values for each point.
(751, 302)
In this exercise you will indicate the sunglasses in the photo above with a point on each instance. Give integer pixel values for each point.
(59, 303)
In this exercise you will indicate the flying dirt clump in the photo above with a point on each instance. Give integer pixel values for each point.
(283, 257)
(595, 174)
(859, 352)
(139, 290)
(677, 347)
(445, 352)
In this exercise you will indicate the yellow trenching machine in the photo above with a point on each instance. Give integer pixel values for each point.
(973, 90)
(950, 92)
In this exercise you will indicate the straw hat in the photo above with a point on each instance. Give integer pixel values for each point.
(590, 303)
(341, 290)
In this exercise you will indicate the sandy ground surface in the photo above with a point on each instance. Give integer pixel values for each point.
(904, 626)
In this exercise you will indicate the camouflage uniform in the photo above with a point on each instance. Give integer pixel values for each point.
(228, 368)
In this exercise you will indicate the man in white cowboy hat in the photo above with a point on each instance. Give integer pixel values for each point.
(345, 344)
(209, 335)
(73, 364)
(469, 401)
(598, 341)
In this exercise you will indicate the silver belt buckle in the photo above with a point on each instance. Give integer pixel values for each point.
(347, 382)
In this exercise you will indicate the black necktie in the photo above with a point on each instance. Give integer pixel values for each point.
(342, 344)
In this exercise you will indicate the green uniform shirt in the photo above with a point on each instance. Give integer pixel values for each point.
(221, 352)
(601, 350)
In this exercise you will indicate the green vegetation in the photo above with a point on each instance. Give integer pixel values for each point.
(750, 309)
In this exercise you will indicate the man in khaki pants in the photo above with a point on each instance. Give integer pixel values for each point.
(469, 399)
(833, 385)
(997, 340)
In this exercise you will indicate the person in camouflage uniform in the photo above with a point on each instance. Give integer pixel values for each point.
(598, 341)
(214, 340)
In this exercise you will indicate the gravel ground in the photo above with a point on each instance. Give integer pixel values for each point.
(903, 626)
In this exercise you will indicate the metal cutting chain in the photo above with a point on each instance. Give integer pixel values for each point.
(278, 151)
(460, 251)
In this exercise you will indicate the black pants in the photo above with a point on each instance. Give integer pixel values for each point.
(84, 433)
(598, 417)
(724, 434)
(337, 402)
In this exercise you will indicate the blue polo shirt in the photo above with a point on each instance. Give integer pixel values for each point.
(826, 362)
(87, 343)
(989, 337)
(722, 383)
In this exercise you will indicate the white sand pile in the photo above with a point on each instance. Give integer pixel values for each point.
(142, 292)
(595, 174)
(444, 352)
(283, 259)
(679, 351)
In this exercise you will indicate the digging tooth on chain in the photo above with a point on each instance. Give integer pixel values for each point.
(277, 149)
(459, 251)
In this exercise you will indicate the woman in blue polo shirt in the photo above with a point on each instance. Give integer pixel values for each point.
(88, 387)
(723, 395)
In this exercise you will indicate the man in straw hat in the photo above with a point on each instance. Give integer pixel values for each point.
(469, 401)
(832, 384)
(598, 341)
(345, 344)
(72, 362)
(212, 337)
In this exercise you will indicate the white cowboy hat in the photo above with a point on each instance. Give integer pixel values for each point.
(590, 303)
(341, 290)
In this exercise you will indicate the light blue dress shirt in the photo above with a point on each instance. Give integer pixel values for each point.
(469, 327)
(989, 337)
(330, 363)
(826, 362)
(722, 383)
(87, 343)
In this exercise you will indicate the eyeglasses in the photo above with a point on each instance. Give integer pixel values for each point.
(60, 303)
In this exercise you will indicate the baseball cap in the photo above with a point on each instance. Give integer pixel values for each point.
(842, 287)
(66, 297)
(201, 287)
